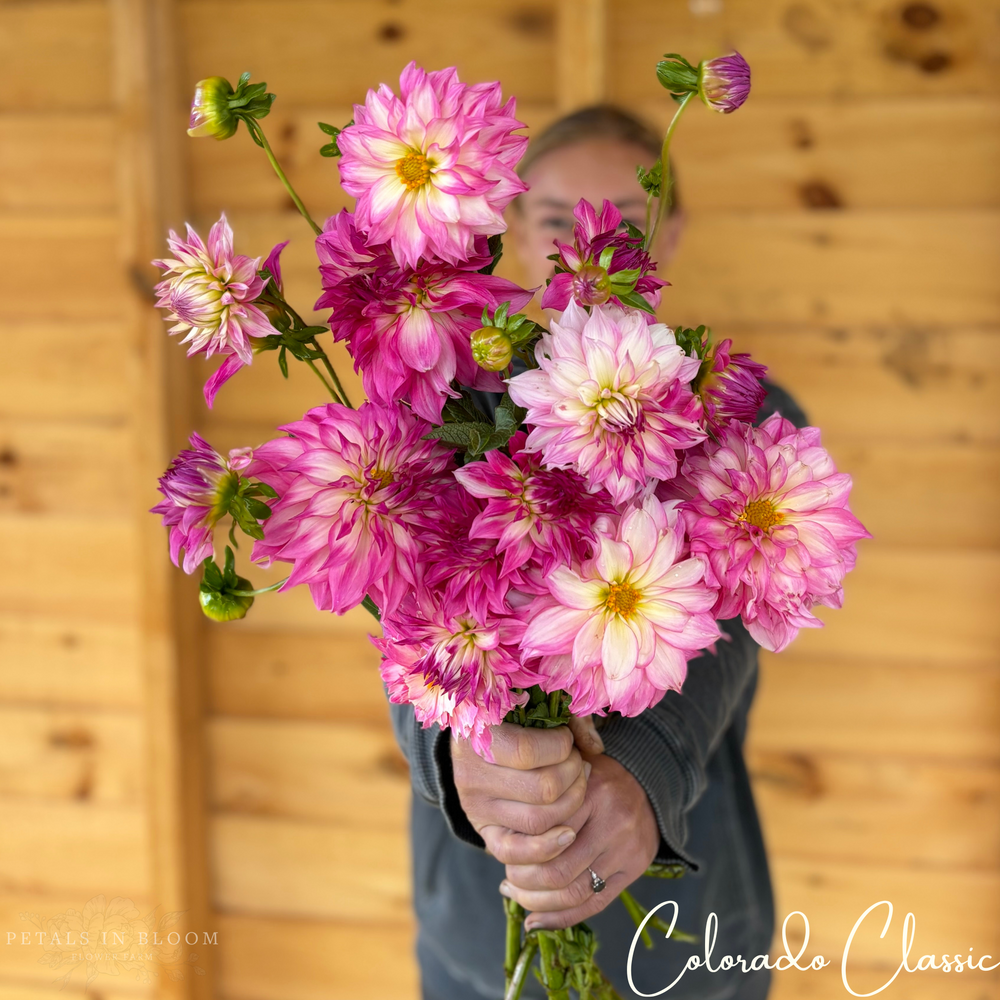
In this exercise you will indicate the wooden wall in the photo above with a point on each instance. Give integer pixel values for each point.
(842, 226)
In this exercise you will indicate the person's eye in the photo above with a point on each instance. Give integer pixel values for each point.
(556, 224)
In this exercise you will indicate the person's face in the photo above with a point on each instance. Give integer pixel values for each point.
(594, 169)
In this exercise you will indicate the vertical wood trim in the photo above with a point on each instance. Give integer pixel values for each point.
(581, 54)
(152, 200)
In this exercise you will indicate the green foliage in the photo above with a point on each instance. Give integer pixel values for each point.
(650, 180)
(495, 247)
(222, 593)
(331, 148)
(677, 75)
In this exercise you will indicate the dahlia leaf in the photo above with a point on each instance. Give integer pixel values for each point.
(637, 301)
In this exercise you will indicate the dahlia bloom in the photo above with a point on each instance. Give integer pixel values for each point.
(617, 630)
(610, 399)
(730, 389)
(209, 293)
(434, 167)
(408, 330)
(197, 487)
(210, 111)
(351, 484)
(724, 83)
(582, 279)
(769, 511)
(456, 670)
(532, 512)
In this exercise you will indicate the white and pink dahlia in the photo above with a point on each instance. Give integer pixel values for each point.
(770, 512)
(532, 512)
(611, 398)
(434, 167)
(197, 489)
(458, 670)
(618, 630)
(408, 329)
(351, 484)
(209, 294)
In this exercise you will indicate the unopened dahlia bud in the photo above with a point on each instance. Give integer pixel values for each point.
(224, 596)
(591, 285)
(492, 348)
(210, 111)
(724, 83)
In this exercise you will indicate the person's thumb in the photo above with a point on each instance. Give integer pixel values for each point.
(585, 735)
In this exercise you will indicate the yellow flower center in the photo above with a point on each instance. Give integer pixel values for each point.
(413, 170)
(761, 514)
(622, 599)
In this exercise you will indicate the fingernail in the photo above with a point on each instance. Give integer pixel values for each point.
(530, 925)
(587, 768)
(505, 889)
(566, 838)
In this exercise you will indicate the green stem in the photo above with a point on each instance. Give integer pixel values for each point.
(371, 607)
(263, 590)
(637, 912)
(329, 388)
(553, 973)
(281, 177)
(512, 950)
(524, 961)
(333, 375)
(666, 181)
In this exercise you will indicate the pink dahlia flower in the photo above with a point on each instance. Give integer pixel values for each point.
(730, 389)
(724, 83)
(617, 630)
(351, 483)
(610, 398)
(583, 279)
(408, 329)
(532, 512)
(434, 167)
(209, 294)
(458, 671)
(769, 510)
(197, 487)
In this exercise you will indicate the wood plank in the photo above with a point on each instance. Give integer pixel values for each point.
(914, 384)
(85, 756)
(86, 373)
(36, 174)
(879, 153)
(954, 909)
(291, 675)
(312, 960)
(57, 467)
(819, 49)
(56, 55)
(486, 41)
(866, 267)
(861, 704)
(58, 563)
(278, 867)
(48, 661)
(94, 288)
(72, 847)
(349, 774)
(21, 991)
(885, 809)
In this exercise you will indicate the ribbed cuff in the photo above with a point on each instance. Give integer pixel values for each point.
(449, 802)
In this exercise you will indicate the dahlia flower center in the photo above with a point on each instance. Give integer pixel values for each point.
(622, 599)
(414, 170)
(761, 514)
(198, 299)
(617, 411)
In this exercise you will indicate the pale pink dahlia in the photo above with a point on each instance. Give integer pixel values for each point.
(209, 294)
(456, 670)
(769, 510)
(434, 167)
(197, 487)
(730, 388)
(351, 484)
(532, 512)
(617, 631)
(583, 279)
(610, 398)
(408, 329)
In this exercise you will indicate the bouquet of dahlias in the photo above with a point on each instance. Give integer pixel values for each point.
(565, 555)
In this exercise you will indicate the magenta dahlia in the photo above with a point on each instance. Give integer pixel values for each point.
(769, 511)
(610, 398)
(730, 388)
(350, 483)
(434, 167)
(583, 279)
(724, 82)
(408, 329)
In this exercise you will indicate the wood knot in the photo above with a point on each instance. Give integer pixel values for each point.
(819, 195)
(920, 16)
(391, 31)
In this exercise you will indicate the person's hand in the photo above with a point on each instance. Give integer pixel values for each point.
(617, 836)
(521, 804)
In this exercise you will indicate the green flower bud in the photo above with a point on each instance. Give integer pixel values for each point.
(221, 606)
(492, 348)
(210, 111)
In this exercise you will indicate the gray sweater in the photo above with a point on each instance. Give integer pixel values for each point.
(687, 753)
